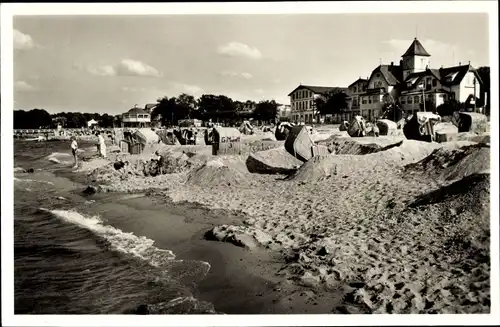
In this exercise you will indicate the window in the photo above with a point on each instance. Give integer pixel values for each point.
(370, 99)
(354, 89)
(434, 82)
(410, 100)
(311, 104)
(378, 75)
(363, 100)
(416, 99)
(376, 99)
(403, 100)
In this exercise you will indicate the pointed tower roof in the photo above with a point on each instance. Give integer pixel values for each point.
(416, 49)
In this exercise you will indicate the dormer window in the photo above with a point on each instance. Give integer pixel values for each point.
(409, 84)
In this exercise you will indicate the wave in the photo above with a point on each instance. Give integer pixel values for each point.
(56, 157)
(32, 180)
(138, 246)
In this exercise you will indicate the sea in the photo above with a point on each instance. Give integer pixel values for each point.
(71, 257)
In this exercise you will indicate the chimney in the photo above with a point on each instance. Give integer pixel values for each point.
(135, 105)
(401, 62)
(460, 63)
(392, 63)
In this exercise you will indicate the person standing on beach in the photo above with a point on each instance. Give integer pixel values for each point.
(74, 148)
(102, 145)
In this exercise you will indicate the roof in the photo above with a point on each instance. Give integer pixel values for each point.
(416, 49)
(359, 80)
(456, 73)
(459, 73)
(137, 111)
(319, 89)
(393, 74)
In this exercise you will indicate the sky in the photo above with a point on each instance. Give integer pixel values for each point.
(107, 64)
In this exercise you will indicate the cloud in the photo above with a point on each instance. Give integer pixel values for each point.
(126, 67)
(22, 41)
(234, 74)
(133, 89)
(23, 86)
(130, 67)
(105, 70)
(237, 49)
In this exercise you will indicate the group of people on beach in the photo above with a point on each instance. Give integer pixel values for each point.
(101, 147)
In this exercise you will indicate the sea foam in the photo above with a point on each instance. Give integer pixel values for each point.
(138, 246)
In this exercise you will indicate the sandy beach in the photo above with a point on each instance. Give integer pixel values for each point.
(382, 225)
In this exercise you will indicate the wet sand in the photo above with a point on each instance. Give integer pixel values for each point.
(240, 281)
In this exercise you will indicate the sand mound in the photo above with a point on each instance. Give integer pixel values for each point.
(176, 162)
(450, 163)
(359, 146)
(274, 161)
(218, 171)
(324, 167)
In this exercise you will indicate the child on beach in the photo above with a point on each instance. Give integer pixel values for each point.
(74, 148)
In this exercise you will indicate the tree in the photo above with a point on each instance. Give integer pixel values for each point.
(105, 121)
(448, 108)
(332, 102)
(117, 121)
(32, 119)
(167, 109)
(186, 105)
(484, 74)
(266, 111)
(220, 106)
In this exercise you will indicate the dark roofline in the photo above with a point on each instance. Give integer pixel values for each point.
(416, 49)
(311, 88)
(357, 81)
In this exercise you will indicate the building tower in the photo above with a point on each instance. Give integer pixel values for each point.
(415, 59)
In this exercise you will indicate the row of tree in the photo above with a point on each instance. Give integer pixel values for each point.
(216, 107)
(40, 118)
(168, 112)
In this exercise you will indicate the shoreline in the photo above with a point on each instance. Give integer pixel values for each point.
(329, 242)
(240, 281)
